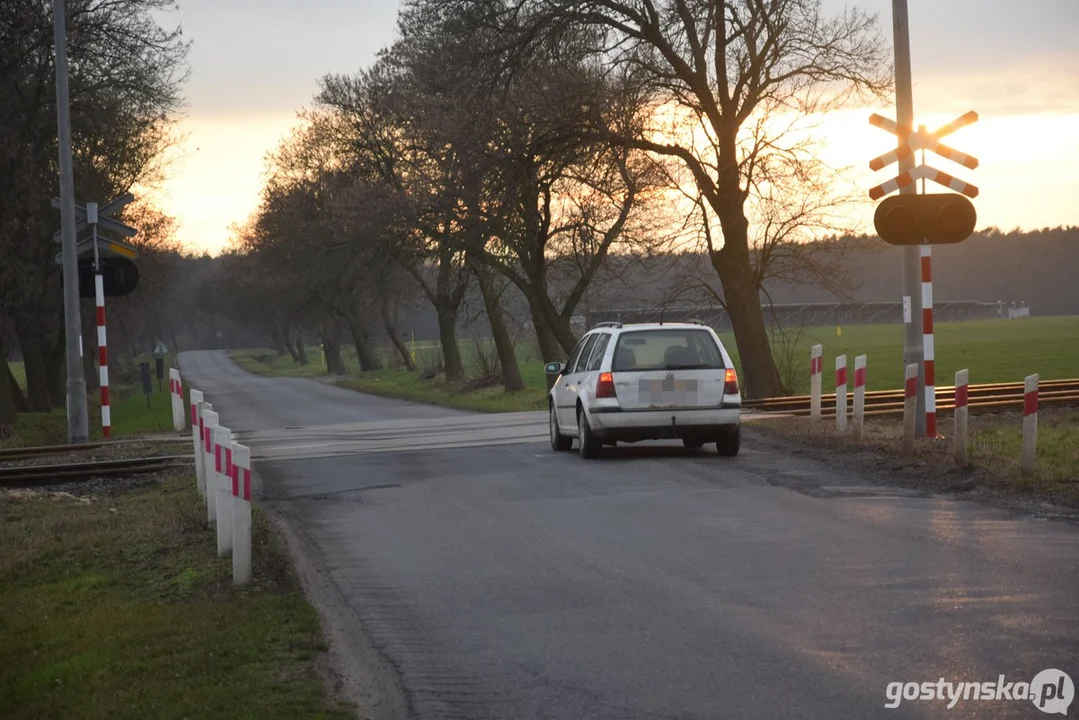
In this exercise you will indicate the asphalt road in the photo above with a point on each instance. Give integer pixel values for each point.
(500, 579)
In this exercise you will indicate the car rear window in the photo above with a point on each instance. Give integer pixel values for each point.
(666, 349)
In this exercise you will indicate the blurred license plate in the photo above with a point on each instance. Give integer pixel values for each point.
(668, 392)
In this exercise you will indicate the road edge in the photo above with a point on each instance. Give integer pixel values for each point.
(353, 667)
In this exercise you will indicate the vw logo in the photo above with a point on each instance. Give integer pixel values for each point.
(670, 376)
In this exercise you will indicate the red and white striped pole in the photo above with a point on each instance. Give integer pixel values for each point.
(241, 514)
(816, 375)
(209, 470)
(102, 356)
(927, 342)
(222, 448)
(176, 387)
(172, 396)
(196, 437)
(841, 393)
(910, 407)
(962, 379)
(859, 396)
(1030, 424)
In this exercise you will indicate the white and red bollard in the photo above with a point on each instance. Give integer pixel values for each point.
(176, 390)
(241, 514)
(816, 375)
(222, 440)
(1030, 424)
(178, 416)
(841, 393)
(103, 357)
(196, 437)
(209, 467)
(172, 392)
(859, 397)
(910, 407)
(962, 382)
(927, 341)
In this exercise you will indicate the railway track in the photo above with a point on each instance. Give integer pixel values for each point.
(991, 397)
(22, 475)
(22, 453)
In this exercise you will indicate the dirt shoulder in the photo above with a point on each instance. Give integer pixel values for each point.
(357, 671)
(992, 474)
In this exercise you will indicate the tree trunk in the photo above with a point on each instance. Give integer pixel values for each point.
(331, 345)
(451, 349)
(301, 349)
(55, 377)
(278, 342)
(366, 354)
(290, 347)
(560, 326)
(549, 347)
(760, 377)
(8, 416)
(89, 357)
(334, 364)
(194, 328)
(37, 384)
(507, 354)
(391, 330)
(18, 398)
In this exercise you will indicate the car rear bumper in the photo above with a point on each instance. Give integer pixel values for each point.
(614, 423)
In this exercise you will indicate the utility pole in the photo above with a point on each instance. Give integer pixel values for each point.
(77, 422)
(913, 349)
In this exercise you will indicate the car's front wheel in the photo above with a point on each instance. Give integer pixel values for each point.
(589, 445)
(729, 441)
(558, 441)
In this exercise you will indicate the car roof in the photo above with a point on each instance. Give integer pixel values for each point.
(652, 326)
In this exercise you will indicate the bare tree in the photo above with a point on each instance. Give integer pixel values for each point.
(715, 79)
(548, 206)
(387, 142)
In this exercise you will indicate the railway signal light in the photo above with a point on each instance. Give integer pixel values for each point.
(119, 276)
(925, 219)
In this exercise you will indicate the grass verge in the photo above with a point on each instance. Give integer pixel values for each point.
(117, 606)
(132, 413)
(406, 385)
(993, 453)
(481, 395)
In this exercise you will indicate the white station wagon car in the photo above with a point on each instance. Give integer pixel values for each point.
(625, 383)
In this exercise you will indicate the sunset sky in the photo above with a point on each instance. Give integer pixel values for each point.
(254, 63)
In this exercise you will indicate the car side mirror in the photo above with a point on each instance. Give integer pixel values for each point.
(553, 368)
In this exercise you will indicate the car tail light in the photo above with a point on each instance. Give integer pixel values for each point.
(730, 382)
(605, 386)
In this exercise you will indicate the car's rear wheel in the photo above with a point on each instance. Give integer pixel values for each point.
(729, 441)
(558, 441)
(589, 445)
(692, 444)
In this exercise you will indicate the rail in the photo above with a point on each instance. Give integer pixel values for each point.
(986, 397)
(20, 475)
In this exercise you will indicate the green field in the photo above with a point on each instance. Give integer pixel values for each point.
(992, 350)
